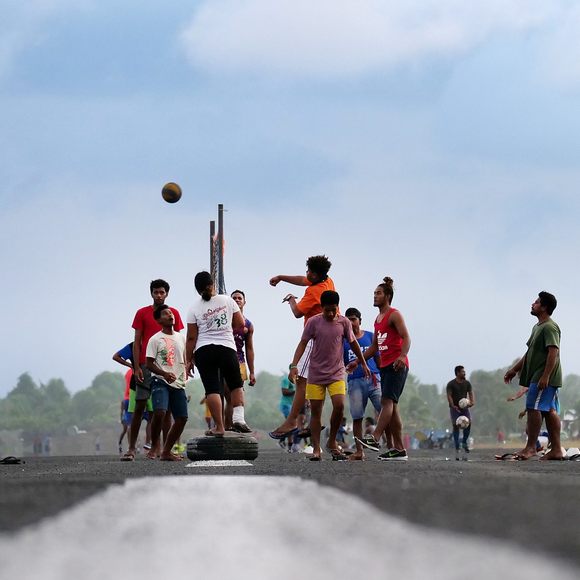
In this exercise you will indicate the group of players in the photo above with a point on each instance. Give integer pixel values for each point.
(334, 355)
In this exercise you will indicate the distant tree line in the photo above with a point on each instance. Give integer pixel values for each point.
(51, 409)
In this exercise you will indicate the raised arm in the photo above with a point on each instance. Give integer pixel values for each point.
(296, 280)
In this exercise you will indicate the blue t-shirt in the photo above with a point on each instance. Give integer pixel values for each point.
(126, 353)
(365, 341)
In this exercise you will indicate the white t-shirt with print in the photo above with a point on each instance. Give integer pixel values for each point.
(214, 320)
(168, 350)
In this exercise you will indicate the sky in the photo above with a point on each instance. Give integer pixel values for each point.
(434, 141)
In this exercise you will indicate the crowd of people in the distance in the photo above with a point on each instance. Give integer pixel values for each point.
(335, 355)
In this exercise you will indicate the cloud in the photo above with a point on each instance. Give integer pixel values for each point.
(338, 39)
(26, 24)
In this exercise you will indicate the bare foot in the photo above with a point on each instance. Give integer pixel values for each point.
(358, 456)
(170, 457)
(284, 428)
(552, 455)
(526, 453)
(151, 454)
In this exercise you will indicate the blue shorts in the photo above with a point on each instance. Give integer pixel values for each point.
(285, 409)
(360, 390)
(128, 417)
(393, 382)
(167, 398)
(544, 400)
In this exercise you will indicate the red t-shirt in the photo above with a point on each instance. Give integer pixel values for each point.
(389, 341)
(148, 326)
(310, 303)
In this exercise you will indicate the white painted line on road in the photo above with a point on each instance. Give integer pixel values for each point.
(250, 528)
(220, 463)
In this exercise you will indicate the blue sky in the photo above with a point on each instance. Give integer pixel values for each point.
(435, 142)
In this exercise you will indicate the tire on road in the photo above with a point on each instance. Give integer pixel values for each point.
(229, 447)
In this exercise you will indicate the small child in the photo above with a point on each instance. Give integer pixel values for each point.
(166, 361)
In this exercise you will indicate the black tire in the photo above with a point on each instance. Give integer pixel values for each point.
(229, 447)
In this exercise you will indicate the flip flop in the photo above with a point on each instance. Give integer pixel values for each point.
(575, 457)
(315, 458)
(279, 436)
(210, 433)
(128, 456)
(11, 460)
(507, 457)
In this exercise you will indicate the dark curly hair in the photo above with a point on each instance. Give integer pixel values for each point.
(319, 265)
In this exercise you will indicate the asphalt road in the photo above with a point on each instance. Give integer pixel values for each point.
(533, 504)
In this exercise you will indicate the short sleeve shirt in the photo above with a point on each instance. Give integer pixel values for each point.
(458, 390)
(365, 342)
(543, 335)
(148, 326)
(168, 351)
(309, 305)
(326, 359)
(214, 321)
(286, 384)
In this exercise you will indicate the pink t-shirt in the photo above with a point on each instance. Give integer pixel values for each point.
(326, 360)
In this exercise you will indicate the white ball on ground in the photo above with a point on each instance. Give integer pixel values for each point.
(462, 422)
(463, 403)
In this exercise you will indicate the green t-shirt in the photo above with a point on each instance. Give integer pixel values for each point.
(544, 334)
(286, 384)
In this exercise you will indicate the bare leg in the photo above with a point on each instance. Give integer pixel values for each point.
(335, 420)
(396, 428)
(358, 433)
(534, 425)
(297, 404)
(148, 431)
(173, 435)
(166, 426)
(384, 420)
(554, 427)
(214, 402)
(315, 424)
(156, 427)
(228, 408)
(136, 424)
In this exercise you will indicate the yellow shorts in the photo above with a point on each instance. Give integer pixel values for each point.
(318, 392)
(244, 371)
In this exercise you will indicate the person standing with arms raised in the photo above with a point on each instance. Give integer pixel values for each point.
(316, 281)
(211, 347)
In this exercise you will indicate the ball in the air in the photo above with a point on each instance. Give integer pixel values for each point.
(462, 422)
(171, 192)
(463, 403)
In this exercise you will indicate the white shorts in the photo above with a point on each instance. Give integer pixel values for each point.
(304, 362)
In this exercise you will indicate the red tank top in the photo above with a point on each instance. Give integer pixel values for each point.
(389, 341)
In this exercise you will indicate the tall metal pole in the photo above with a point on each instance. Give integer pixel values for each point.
(221, 279)
(212, 261)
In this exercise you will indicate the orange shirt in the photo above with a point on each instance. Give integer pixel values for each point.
(310, 303)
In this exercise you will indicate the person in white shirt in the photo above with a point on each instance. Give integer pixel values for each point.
(210, 346)
(166, 360)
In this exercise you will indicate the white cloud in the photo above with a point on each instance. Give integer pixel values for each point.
(345, 38)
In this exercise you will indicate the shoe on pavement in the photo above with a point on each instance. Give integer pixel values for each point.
(241, 428)
(394, 455)
(369, 442)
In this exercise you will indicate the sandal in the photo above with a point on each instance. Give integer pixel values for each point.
(210, 433)
(128, 456)
(279, 435)
(11, 460)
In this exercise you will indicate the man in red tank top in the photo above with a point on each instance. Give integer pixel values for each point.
(392, 342)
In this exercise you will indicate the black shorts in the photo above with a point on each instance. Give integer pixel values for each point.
(393, 382)
(216, 362)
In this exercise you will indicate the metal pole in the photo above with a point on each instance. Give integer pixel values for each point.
(212, 263)
(221, 279)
